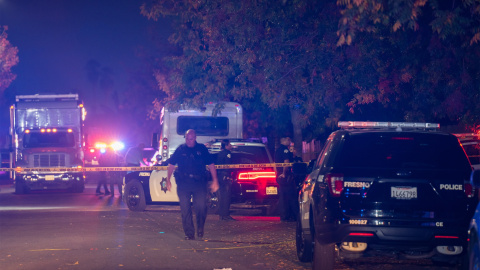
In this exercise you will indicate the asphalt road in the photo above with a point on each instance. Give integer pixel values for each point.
(59, 230)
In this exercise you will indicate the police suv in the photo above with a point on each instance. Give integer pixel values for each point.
(386, 188)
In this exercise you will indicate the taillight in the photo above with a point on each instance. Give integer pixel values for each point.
(446, 237)
(468, 188)
(335, 183)
(251, 176)
(361, 234)
(164, 148)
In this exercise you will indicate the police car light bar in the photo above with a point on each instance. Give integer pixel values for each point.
(365, 124)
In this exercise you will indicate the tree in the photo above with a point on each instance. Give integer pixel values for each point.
(8, 59)
(404, 61)
(430, 53)
(275, 55)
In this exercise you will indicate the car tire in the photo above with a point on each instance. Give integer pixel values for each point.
(135, 196)
(78, 187)
(323, 256)
(304, 243)
(20, 187)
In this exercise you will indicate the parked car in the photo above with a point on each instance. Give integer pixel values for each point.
(252, 187)
(401, 188)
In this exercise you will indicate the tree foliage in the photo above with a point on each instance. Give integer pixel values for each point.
(428, 53)
(272, 56)
(8, 59)
(406, 60)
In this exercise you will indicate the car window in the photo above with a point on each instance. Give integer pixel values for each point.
(324, 152)
(249, 155)
(402, 150)
(247, 158)
(473, 151)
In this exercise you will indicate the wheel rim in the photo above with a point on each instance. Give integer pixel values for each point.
(133, 196)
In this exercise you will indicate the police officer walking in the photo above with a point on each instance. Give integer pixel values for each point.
(192, 159)
(225, 181)
(286, 184)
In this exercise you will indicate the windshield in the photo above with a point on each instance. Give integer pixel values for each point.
(402, 151)
(203, 125)
(57, 139)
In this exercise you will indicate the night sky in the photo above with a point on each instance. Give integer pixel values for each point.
(57, 38)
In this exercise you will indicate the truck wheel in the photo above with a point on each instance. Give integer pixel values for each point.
(304, 243)
(323, 256)
(135, 196)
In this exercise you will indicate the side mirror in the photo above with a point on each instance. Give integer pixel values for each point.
(299, 168)
(475, 178)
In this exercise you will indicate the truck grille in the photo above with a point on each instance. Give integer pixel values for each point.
(49, 160)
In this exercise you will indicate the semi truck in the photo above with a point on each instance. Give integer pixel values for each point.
(47, 132)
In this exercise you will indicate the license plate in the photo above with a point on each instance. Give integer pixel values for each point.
(404, 193)
(271, 191)
(49, 177)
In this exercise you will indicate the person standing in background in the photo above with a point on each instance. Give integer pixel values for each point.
(225, 181)
(111, 159)
(102, 180)
(286, 183)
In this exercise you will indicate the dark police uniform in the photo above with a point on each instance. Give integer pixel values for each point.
(224, 157)
(287, 190)
(111, 159)
(191, 179)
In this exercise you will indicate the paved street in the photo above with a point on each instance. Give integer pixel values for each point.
(59, 230)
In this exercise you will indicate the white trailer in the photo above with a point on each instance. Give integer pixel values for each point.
(223, 120)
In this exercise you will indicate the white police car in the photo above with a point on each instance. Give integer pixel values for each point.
(253, 187)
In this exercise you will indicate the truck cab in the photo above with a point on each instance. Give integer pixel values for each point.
(47, 142)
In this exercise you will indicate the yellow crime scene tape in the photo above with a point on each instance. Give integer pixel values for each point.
(126, 169)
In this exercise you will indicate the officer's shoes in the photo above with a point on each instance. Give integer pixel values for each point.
(227, 218)
(107, 192)
(200, 233)
(189, 237)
